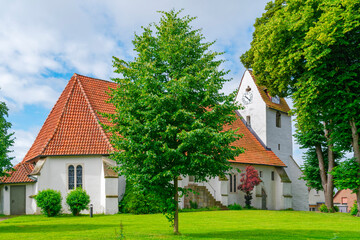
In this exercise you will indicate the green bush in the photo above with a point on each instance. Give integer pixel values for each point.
(49, 201)
(336, 208)
(77, 200)
(324, 208)
(137, 202)
(354, 209)
(193, 205)
(235, 207)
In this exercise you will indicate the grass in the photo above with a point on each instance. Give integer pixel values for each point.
(245, 224)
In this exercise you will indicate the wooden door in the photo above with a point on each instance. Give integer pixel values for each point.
(17, 200)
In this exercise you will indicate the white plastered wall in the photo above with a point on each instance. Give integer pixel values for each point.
(273, 188)
(220, 189)
(256, 109)
(263, 122)
(283, 136)
(5, 198)
(54, 175)
(316, 197)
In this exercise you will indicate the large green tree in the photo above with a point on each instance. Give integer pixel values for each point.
(6, 141)
(169, 112)
(312, 46)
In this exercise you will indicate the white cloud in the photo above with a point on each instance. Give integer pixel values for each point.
(38, 38)
(23, 142)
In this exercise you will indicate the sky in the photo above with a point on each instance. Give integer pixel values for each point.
(43, 43)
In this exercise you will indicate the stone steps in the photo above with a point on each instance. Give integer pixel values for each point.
(202, 197)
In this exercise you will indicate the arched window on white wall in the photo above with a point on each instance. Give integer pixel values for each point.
(79, 176)
(71, 177)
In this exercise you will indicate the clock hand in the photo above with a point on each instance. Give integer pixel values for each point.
(247, 98)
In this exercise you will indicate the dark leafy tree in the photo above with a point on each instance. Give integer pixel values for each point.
(6, 141)
(309, 50)
(249, 179)
(169, 112)
(347, 176)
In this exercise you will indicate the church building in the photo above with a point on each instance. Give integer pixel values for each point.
(72, 149)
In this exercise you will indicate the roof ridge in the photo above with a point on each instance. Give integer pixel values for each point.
(61, 116)
(275, 106)
(76, 74)
(93, 112)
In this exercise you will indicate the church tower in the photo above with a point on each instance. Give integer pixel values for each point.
(268, 116)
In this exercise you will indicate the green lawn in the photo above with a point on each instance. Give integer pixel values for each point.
(245, 224)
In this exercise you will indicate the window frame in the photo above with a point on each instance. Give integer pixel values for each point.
(248, 120)
(68, 176)
(278, 119)
(232, 183)
(75, 165)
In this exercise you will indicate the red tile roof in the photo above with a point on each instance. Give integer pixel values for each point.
(72, 127)
(255, 152)
(283, 106)
(20, 174)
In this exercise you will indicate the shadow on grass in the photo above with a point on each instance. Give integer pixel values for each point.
(30, 228)
(275, 234)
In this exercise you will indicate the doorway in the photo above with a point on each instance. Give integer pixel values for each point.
(263, 199)
(17, 200)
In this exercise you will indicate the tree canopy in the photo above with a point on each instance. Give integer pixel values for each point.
(6, 141)
(169, 112)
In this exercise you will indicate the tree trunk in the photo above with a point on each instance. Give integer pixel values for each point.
(176, 201)
(355, 145)
(330, 179)
(326, 178)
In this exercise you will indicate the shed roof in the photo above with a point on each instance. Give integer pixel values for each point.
(20, 174)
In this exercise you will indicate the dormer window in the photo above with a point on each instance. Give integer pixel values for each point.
(275, 99)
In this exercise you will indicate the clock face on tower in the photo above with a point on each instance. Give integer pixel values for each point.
(247, 98)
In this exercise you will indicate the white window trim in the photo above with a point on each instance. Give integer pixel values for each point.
(75, 174)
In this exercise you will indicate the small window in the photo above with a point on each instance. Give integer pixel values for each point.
(232, 182)
(260, 173)
(248, 121)
(272, 176)
(279, 147)
(275, 99)
(71, 177)
(344, 200)
(278, 119)
(78, 176)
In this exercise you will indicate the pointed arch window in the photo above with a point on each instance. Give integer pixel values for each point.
(232, 182)
(75, 176)
(71, 177)
(79, 176)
